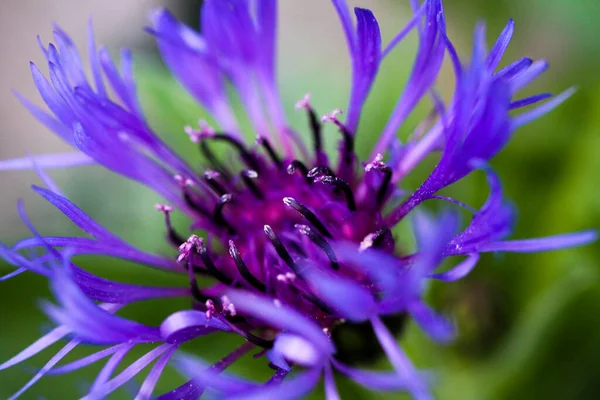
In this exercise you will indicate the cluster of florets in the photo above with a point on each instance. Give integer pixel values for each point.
(297, 247)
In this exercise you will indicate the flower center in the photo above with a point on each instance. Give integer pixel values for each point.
(271, 218)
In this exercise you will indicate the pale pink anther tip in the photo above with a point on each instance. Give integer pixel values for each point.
(226, 197)
(366, 243)
(228, 306)
(193, 134)
(211, 174)
(165, 208)
(252, 174)
(286, 278)
(210, 308)
(186, 247)
(304, 102)
(231, 309)
(290, 276)
(376, 163)
(184, 182)
(332, 116)
(205, 129)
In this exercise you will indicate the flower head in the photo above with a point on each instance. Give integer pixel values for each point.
(297, 248)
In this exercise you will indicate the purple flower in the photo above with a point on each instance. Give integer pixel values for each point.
(296, 248)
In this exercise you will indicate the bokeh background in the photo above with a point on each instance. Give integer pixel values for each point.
(529, 324)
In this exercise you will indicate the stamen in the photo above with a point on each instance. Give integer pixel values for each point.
(321, 242)
(198, 296)
(248, 177)
(185, 252)
(212, 159)
(287, 277)
(185, 249)
(309, 215)
(373, 239)
(290, 277)
(210, 308)
(231, 310)
(298, 165)
(243, 269)
(375, 164)
(228, 307)
(239, 146)
(270, 151)
(175, 238)
(210, 177)
(315, 124)
(280, 248)
(264, 343)
(347, 135)
(183, 182)
(218, 213)
(285, 256)
(195, 135)
(165, 208)
(343, 186)
(186, 183)
(332, 116)
(205, 128)
(366, 243)
(320, 170)
(378, 165)
(304, 102)
(210, 265)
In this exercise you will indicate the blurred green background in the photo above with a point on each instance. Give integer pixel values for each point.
(529, 324)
